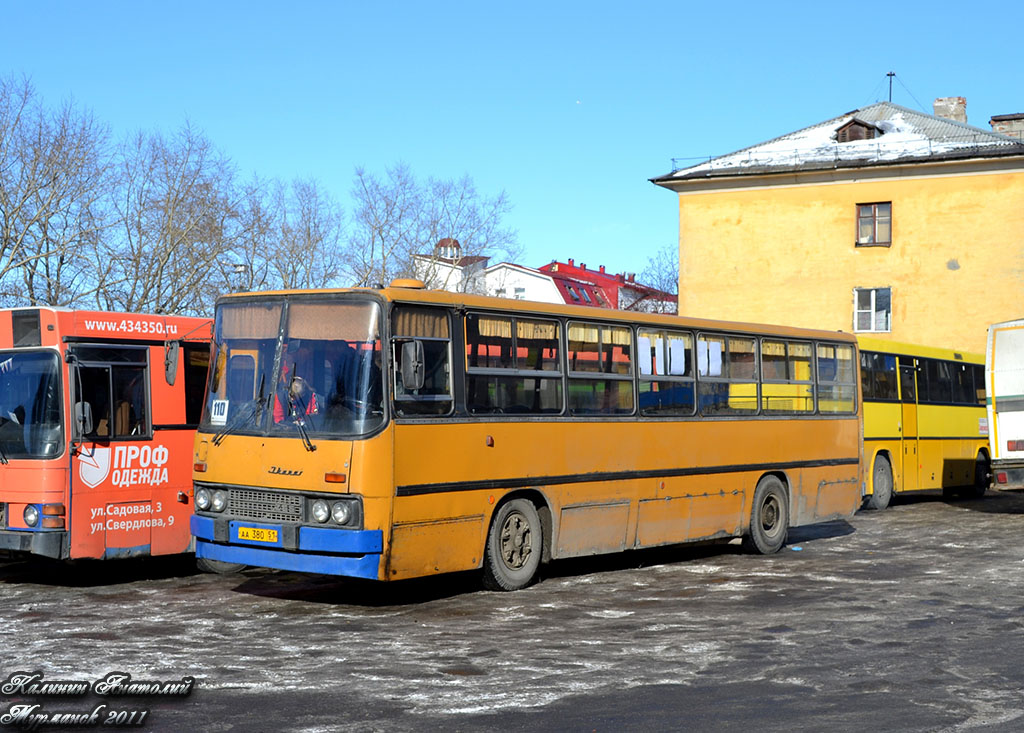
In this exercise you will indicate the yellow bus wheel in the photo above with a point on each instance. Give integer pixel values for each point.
(514, 543)
(881, 484)
(769, 517)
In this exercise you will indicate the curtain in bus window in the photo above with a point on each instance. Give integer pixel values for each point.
(488, 342)
(599, 348)
(251, 320)
(537, 345)
(709, 356)
(420, 323)
(664, 357)
(430, 326)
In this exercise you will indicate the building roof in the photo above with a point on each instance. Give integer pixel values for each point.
(906, 136)
(579, 285)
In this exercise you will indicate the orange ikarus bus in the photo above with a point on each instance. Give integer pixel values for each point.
(403, 432)
(97, 416)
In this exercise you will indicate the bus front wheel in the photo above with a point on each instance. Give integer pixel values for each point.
(513, 550)
(769, 517)
(218, 566)
(881, 484)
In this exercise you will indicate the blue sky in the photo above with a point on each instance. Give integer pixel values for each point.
(569, 107)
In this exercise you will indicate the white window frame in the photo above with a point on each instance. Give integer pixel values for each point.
(881, 321)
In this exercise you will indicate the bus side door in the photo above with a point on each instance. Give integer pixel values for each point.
(908, 425)
(114, 461)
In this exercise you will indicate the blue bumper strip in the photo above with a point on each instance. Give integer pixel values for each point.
(361, 549)
(366, 566)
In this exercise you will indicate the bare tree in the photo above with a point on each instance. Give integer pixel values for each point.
(310, 230)
(662, 272)
(247, 266)
(454, 210)
(54, 184)
(398, 221)
(177, 223)
(385, 225)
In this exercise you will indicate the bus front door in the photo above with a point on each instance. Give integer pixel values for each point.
(909, 473)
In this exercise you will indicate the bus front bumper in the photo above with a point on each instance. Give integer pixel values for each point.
(348, 552)
(46, 543)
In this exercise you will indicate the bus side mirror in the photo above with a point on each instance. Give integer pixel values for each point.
(83, 418)
(412, 365)
(171, 351)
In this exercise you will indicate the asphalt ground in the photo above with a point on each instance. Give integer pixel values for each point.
(910, 619)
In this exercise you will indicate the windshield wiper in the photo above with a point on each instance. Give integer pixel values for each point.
(242, 417)
(300, 425)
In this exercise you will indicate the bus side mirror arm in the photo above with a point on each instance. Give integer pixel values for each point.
(412, 365)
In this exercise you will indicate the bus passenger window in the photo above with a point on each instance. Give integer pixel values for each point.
(666, 373)
(428, 326)
(837, 387)
(512, 366)
(728, 368)
(600, 369)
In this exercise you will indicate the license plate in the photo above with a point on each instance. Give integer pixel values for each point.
(257, 534)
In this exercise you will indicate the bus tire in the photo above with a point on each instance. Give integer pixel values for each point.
(514, 544)
(219, 567)
(881, 484)
(769, 517)
(982, 476)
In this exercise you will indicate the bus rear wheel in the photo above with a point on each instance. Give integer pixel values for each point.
(514, 543)
(982, 476)
(769, 517)
(881, 484)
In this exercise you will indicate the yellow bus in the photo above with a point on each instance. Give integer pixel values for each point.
(925, 425)
(403, 432)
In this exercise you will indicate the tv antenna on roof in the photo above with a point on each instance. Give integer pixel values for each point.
(891, 74)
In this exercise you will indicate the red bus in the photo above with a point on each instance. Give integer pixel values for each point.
(97, 416)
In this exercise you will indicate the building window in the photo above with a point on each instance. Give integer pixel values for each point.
(872, 309)
(500, 292)
(520, 293)
(874, 224)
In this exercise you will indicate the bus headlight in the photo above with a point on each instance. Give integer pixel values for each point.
(321, 512)
(341, 512)
(220, 501)
(202, 499)
(31, 515)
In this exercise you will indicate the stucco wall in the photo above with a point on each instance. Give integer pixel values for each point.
(786, 254)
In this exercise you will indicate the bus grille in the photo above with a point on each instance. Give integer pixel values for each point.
(270, 505)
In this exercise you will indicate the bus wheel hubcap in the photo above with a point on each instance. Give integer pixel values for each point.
(515, 541)
(769, 514)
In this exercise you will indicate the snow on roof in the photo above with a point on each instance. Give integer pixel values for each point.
(906, 134)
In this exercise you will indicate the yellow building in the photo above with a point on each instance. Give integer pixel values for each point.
(885, 220)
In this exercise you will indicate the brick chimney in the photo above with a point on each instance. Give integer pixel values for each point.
(952, 108)
(1012, 125)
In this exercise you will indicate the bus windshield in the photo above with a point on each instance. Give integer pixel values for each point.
(30, 397)
(317, 373)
